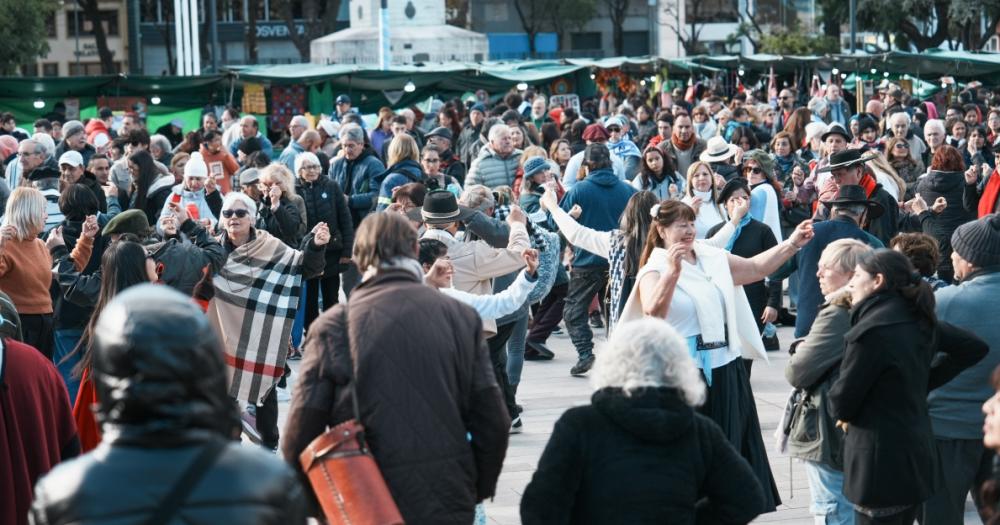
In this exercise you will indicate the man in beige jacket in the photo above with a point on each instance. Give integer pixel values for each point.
(476, 264)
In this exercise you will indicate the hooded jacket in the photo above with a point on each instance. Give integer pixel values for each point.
(951, 186)
(603, 197)
(642, 458)
(400, 173)
(195, 203)
(490, 170)
(358, 179)
(162, 398)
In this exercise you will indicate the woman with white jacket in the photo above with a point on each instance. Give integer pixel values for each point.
(697, 288)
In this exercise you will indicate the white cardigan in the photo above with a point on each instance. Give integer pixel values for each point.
(740, 322)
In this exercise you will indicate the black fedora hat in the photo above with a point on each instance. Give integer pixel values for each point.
(846, 159)
(852, 194)
(735, 184)
(836, 129)
(440, 207)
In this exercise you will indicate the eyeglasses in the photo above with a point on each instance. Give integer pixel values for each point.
(432, 161)
(902, 145)
(239, 213)
(614, 129)
(311, 167)
(755, 170)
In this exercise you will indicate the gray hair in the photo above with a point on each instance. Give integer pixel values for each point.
(236, 196)
(854, 210)
(648, 353)
(43, 144)
(478, 196)
(843, 254)
(353, 133)
(300, 120)
(49, 183)
(160, 142)
(495, 132)
(818, 105)
(304, 157)
(897, 116)
(935, 123)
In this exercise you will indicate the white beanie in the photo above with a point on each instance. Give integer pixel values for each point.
(196, 166)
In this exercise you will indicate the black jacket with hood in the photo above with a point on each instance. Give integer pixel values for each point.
(161, 384)
(642, 458)
(951, 186)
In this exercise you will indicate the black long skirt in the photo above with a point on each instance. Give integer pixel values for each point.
(729, 402)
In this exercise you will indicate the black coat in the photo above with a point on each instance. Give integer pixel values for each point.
(951, 186)
(325, 202)
(89, 181)
(756, 238)
(642, 459)
(283, 223)
(890, 457)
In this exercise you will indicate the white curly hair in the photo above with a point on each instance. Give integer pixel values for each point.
(648, 353)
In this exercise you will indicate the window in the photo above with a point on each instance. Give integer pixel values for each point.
(89, 68)
(50, 26)
(712, 11)
(29, 70)
(108, 18)
(50, 69)
(581, 41)
(635, 43)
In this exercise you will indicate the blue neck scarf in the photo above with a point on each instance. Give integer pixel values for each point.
(739, 228)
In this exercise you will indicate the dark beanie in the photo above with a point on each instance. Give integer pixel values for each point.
(979, 241)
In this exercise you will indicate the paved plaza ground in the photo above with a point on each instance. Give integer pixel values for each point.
(547, 390)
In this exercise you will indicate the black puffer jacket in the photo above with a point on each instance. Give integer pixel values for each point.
(284, 223)
(951, 186)
(161, 382)
(325, 202)
(640, 459)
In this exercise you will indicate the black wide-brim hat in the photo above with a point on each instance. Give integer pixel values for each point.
(440, 207)
(852, 194)
(846, 159)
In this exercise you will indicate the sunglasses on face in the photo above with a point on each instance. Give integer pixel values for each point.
(239, 213)
(902, 146)
(755, 170)
(614, 129)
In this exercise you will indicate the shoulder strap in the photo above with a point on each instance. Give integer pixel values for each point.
(186, 483)
(346, 342)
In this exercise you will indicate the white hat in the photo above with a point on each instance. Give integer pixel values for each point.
(815, 130)
(330, 127)
(73, 158)
(717, 150)
(196, 166)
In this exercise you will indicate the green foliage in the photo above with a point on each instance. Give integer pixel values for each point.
(23, 23)
(797, 43)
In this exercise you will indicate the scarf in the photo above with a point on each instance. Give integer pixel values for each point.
(683, 145)
(736, 234)
(396, 263)
(535, 229)
(988, 201)
(785, 164)
(256, 298)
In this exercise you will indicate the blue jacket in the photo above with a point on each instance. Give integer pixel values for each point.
(806, 262)
(400, 173)
(265, 146)
(358, 179)
(956, 408)
(603, 197)
(288, 156)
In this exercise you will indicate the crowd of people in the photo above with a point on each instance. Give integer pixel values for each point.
(416, 261)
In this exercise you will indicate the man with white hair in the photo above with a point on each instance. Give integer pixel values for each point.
(497, 162)
(819, 109)
(934, 134)
(899, 125)
(75, 138)
(31, 154)
(160, 149)
(297, 127)
(249, 127)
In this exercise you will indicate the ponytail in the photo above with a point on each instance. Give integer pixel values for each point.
(902, 278)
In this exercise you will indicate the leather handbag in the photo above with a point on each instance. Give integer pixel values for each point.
(343, 473)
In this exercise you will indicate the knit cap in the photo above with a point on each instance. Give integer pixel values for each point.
(979, 241)
(196, 166)
(534, 166)
(71, 127)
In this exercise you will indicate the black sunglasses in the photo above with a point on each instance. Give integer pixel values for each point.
(613, 129)
(755, 170)
(240, 213)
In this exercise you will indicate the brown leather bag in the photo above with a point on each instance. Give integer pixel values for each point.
(343, 474)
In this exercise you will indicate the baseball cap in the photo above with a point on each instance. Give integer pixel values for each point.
(73, 158)
(249, 176)
(440, 131)
(106, 113)
(343, 99)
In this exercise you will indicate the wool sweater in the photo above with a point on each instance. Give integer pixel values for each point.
(26, 272)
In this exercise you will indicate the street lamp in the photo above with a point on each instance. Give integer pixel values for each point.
(155, 100)
(410, 87)
(38, 103)
(522, 86)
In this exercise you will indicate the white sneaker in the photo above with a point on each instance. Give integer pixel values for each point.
(516, 427)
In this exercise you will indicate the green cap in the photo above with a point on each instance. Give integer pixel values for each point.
(131, 221)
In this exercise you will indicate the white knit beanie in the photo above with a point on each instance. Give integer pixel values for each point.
(196, 166)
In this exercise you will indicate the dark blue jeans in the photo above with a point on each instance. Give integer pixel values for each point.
(584, 284)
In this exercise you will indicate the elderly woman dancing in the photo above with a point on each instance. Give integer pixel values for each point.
(256, 296)
(697, 288)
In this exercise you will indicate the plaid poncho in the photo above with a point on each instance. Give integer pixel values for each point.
(256, 295)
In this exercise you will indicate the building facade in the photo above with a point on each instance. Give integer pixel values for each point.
(72, 47)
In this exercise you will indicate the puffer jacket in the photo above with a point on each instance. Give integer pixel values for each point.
(161, 380)
(951, 186)
(325, 203)
(671, 464)
(490, 170)
(285, 222)
(357, 178)
(400, 173)
(195, 202)
(431, 407)
(180, 264)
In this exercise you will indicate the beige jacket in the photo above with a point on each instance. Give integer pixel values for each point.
(477, 263)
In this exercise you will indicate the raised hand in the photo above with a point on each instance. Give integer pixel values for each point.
(55, 238)
(168, 223)
(321, 234)
(179, 211)
(516, 216)
(576, 211)
(439, 276)
(549, 200)
(531, 260)
(90, 227)
(274, 193)
(742, 207)
(939, 205)
(803, 233)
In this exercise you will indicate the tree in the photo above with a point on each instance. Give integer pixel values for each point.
(531, 13)
(798, 43)
(314, 17)
(567, 15)
(93, 13)
(24, 24)
(617, 9)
